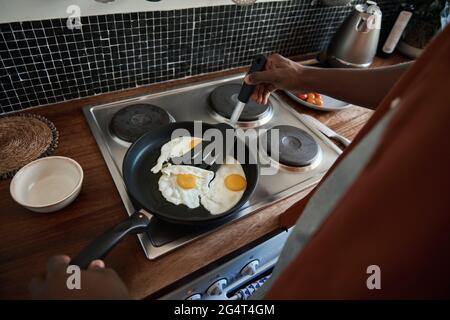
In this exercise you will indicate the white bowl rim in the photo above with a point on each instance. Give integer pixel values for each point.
(20, 172)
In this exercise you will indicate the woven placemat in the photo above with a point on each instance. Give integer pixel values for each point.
(24, 138)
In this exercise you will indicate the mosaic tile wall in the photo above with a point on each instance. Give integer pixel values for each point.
(44, 62)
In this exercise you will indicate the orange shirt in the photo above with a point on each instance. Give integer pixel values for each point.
(396, 214)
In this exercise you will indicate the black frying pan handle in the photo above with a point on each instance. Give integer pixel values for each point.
(99, 248)
(259, 62)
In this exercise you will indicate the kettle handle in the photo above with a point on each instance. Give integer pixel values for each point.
(366, 24)
(361, 25)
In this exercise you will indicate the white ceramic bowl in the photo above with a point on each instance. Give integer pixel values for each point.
(47, 184)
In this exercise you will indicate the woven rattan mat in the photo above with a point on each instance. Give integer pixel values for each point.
(24, 138)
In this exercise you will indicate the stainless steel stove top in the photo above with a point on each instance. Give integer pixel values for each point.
(188, 103)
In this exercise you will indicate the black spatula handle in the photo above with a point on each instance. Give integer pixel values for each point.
(259, 62)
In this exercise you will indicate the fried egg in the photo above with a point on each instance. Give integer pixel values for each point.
(180, 184)
(175, 148)
(226, 189)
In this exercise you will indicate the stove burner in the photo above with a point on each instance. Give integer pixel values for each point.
(296, 147)
(224, 99)
(133, 121)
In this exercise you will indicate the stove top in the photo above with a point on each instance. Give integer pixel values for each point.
(133, 121)
(114, 126)
(223, 99)
(295, 147)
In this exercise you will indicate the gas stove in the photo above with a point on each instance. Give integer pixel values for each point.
(206, 101)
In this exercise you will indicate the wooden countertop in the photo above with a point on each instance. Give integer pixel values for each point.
(28, 238)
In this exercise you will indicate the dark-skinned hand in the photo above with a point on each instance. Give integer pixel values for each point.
(279, 73)
(97, 282)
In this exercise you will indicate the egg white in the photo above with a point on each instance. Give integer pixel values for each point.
(175, 194)
(219, 198)
(174, 148)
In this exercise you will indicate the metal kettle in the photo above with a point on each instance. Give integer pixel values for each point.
(355, 43)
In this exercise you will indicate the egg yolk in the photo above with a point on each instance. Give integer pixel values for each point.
(235, 182)
(186, 181)
(194, 142)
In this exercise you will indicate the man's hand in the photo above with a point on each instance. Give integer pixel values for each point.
(96, 282)
(279, 73)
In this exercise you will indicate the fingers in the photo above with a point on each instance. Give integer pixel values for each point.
(265, 94)
(254, 95)
(276, 61)
(270, 76)
(265, 97)
(96, 264)
(60, 263)
(57, 263)
(262, 93)
(258, 94)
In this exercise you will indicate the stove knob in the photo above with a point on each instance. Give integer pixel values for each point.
(196, 296)
(216, 288)
(250, 268)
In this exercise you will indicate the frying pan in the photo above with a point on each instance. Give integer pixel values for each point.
(142, 187)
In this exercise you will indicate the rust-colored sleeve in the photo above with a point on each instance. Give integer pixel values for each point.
(396, 215)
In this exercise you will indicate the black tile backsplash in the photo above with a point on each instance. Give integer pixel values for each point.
(44, 62)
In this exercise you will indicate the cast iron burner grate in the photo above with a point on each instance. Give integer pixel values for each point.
(132, 121)
(296, 147)
(224, 98)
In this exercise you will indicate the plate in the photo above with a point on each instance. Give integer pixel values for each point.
(329, 104)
